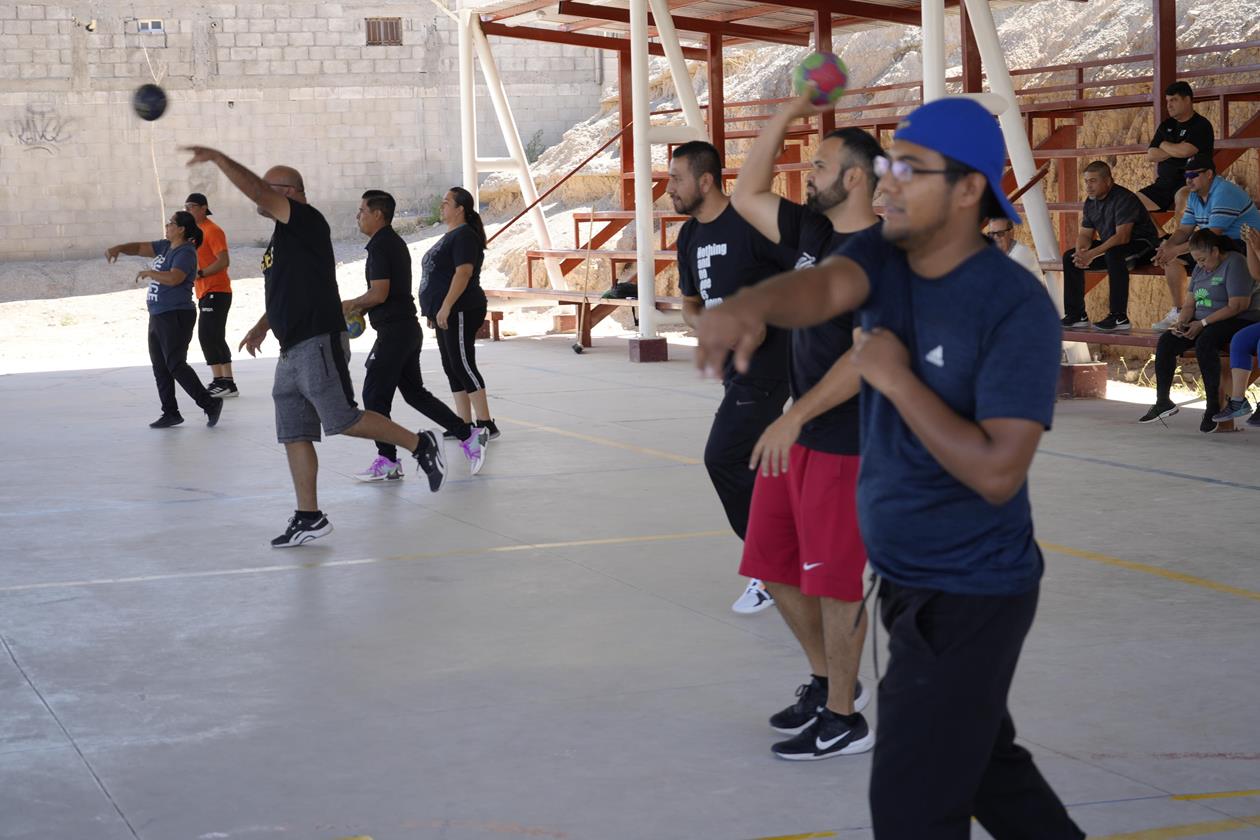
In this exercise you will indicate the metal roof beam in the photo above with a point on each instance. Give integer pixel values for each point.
(578, 39)
(708, 27)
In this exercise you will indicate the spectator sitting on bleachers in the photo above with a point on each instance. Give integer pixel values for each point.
(1223, 299)
(1244, 345)
(1183, 135)
(1116, 233)
(1214, 203)
(1002, 231)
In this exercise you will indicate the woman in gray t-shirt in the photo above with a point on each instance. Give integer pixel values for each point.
(1223, 299)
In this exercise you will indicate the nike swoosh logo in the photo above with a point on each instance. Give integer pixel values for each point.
(820, 744)
(809, 566)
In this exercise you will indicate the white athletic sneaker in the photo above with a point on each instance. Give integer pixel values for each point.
(382, 469)
(1166, 324)
(474, 449)
(754, 600)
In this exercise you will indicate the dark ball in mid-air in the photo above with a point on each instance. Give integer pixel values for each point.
(149, 102)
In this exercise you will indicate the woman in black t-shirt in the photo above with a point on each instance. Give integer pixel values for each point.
(452, 299)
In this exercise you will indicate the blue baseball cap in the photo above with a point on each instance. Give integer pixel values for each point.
(964, 130)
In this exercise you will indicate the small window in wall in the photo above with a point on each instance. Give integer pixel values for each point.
(150, 27)
(384, 32)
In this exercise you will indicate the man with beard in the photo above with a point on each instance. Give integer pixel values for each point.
(312, 385)
(718, 254)
(959, 356)
(803, 538)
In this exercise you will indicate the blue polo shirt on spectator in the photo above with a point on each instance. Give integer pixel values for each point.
(1227, 209)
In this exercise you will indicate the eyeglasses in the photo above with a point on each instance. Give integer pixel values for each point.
(1191, 174)
(901, 171)
(1003, 232)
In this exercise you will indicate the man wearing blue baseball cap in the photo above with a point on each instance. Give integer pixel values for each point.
(959, 351)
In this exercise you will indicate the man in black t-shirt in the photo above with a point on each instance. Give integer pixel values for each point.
(803, 538)
(718, 254)
(1116, 232)
(1183, 135)
(312, 382)
(394, 361)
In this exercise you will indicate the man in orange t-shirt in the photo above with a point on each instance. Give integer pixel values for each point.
(214, 297)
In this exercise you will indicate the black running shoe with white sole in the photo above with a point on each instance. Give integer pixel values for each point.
(1113, 323)
(1158, 412)
(798, 717)
(1070, 322)
(489, 426)
(301, 531)
(429, 456)
(830, 735)
(166, 421)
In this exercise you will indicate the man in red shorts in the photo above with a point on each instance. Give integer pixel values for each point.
(803, 539)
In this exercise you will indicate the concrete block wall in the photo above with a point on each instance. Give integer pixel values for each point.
(267, 83)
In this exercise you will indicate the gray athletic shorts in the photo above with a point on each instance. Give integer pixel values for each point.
(313, 388)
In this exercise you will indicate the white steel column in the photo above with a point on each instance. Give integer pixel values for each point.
(1017, 144)
(678, 67)
(467, 103)
(641, 109)
(933, 33)
(516, 149)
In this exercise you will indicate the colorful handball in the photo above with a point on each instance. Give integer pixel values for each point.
(149, 102)
(826, 72)
(355, 325)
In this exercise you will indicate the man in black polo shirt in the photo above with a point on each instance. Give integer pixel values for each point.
(1183, 135)
(718, 254)
(803, 536)
(1116, 233)
(312, 382)
(394, 362)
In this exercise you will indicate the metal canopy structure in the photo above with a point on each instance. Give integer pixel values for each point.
(698, 30)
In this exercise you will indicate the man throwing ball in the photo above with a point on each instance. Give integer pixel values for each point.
(958, 349)
(312, 382)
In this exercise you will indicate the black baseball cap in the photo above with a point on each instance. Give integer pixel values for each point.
(199, 198)
(1199, 162)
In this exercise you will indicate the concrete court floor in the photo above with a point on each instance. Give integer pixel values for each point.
(547, 651)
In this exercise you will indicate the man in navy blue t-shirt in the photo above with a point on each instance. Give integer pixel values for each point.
(803, 538)
(959, 352)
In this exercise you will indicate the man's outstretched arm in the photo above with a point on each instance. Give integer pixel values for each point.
(255, 188)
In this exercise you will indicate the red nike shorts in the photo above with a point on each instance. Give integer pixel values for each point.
(803, 528)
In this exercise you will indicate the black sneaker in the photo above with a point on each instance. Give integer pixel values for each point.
(213, 411)
(429, 456)
(1158, 412)
(800, 715)
(451, 436)
(223, 388)
(1071, 322)
(166, 421)
(1112, 323)
(302, 531)
(1254, 419)
(490, 427)
(831, 735)
(1208, 425)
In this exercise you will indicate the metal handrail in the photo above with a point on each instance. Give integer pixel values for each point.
(1041, 173)
(557, 184)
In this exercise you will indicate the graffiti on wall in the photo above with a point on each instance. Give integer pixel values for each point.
(41, 128)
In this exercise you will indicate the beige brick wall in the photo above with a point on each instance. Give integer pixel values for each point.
(267, 83)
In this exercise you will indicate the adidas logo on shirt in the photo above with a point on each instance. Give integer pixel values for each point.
(936, 356)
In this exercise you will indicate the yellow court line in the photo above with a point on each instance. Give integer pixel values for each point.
(615, 444)
(1108, 560)
(1225, 794)
(366, 561)
(1188, 830)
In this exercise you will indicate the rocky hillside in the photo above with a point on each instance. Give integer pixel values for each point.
(1033, 35)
